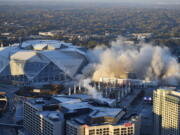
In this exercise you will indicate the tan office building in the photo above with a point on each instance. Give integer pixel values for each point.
(166, 108)
(130, 127)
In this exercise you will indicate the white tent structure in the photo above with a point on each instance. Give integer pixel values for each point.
(41, 61)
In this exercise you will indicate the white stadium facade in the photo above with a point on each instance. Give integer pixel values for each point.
(36, 62)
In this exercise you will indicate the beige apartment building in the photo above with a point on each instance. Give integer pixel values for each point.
(131, 127)
(166, 108)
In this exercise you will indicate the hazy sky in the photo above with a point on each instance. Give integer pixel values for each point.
(112, 1)
(144, 1)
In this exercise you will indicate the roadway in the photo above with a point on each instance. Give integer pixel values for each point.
(7, 125)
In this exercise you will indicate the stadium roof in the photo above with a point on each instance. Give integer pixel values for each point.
(44, 44)
(65, 56)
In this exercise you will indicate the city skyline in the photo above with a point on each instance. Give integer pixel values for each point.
(89, 67)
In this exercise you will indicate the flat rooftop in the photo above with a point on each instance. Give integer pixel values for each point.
(81, 110)
(72, 107)
(66, 99)
(54, 116)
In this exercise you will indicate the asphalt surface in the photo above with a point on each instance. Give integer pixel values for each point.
(7, 117)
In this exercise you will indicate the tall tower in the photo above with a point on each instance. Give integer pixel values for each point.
(166, 109)
(2, 45)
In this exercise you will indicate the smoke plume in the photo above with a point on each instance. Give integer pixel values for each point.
(152, 63)
(91, 90)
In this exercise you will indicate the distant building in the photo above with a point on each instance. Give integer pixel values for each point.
(121, 89)
(142, 36)
(76, 116)
(5, 34)
(37, 37)
(51, 33)
(46, 34)
(166, 108)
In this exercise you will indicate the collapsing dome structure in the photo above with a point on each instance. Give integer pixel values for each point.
(41, 62)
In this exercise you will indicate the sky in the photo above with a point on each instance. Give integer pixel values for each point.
(133, 1)
(112, 1)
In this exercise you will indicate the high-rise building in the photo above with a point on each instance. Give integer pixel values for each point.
(130, 127)
(68, 115)
(40, 121)
(166, 108)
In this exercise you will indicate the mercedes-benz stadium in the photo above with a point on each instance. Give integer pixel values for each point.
(36, 62)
